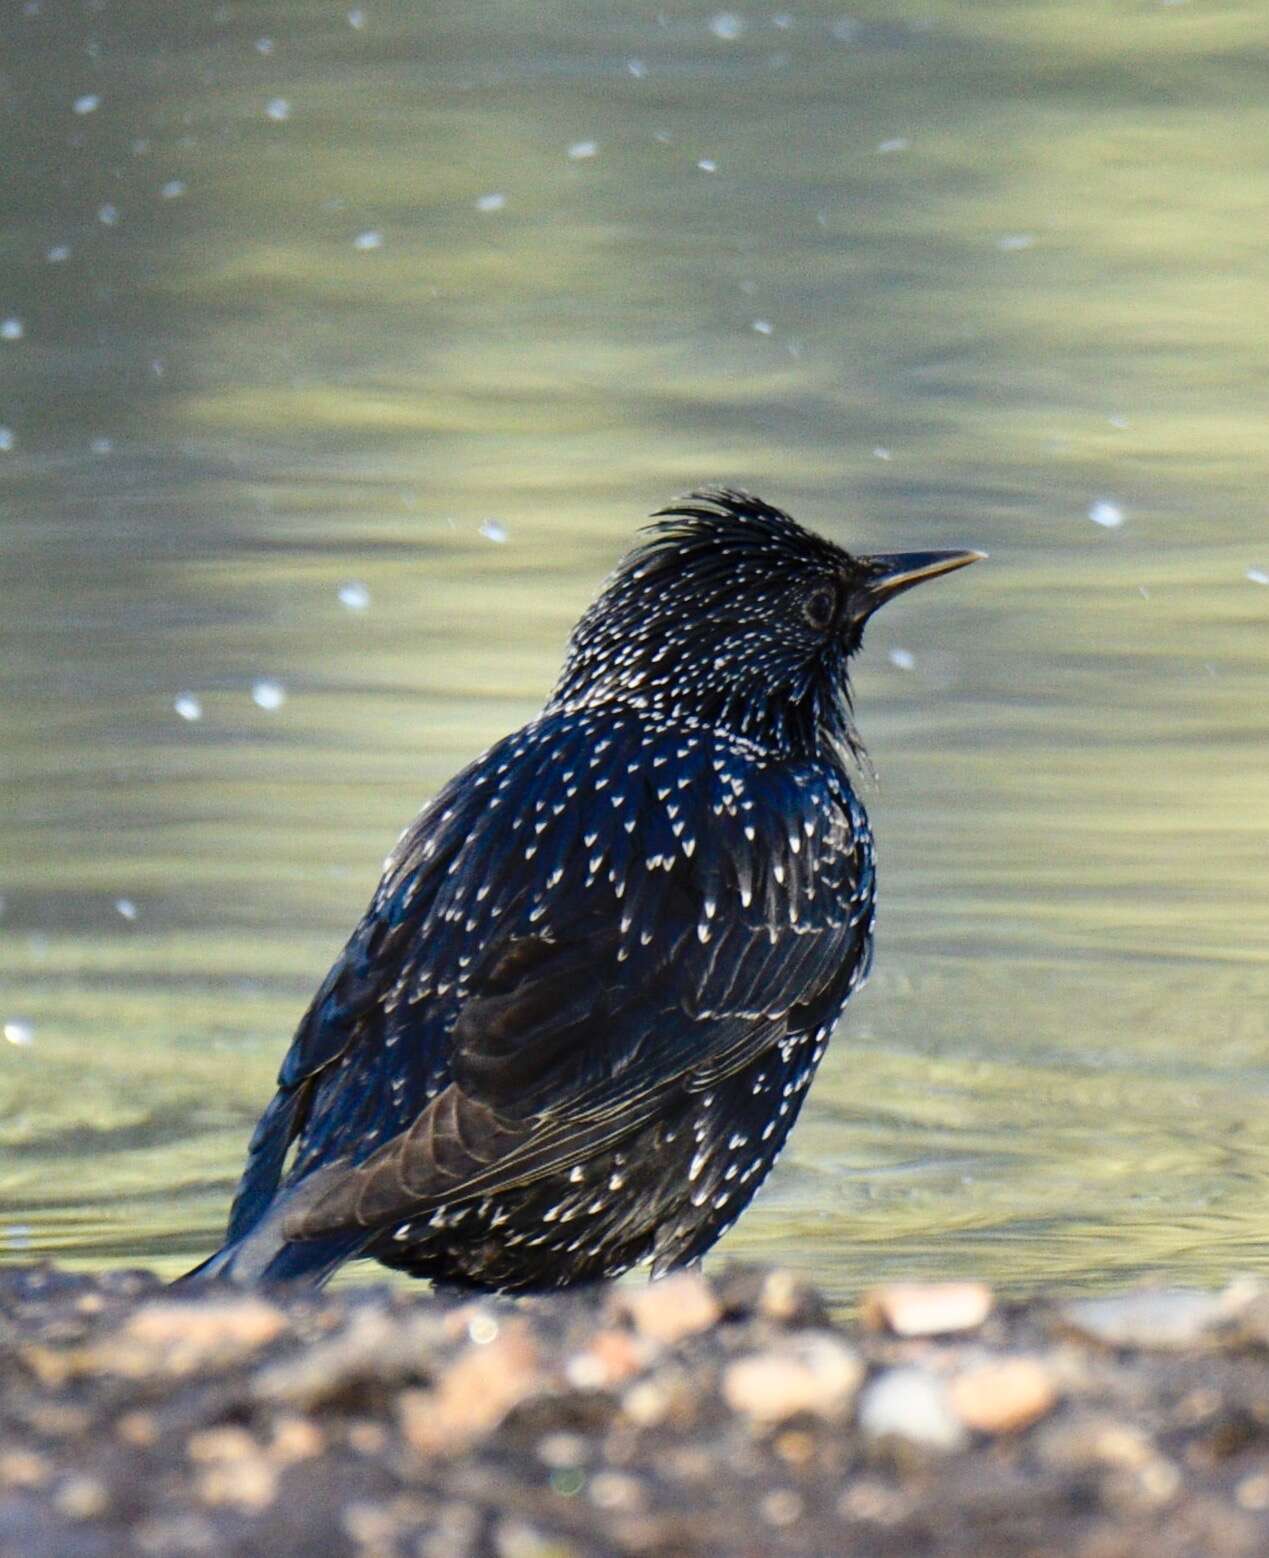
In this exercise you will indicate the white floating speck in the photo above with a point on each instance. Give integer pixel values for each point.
(1107, 514)
(268, 695)
(108, 215)
(637, 69)
(173, 189)
(157, 367)
(357, 18)
(188, 706)
(278, 109)
(1144, 592)
(493, 530)
(881, 454)
(903, 658)
(372, 239)
(20, 1032)
(580, 150)
(897, 143)
(86, 104)
(844, 29)
(491, 202)
(763, 326)
(6, 439)
(727, 25)
(12, 330)
(58, 253)
(1119, 423)
(707, 165)
(1258, 575)
(1010, 243)
(126, 908)
(264, 45)
(101, 445)
(354, 595)
(782, 21)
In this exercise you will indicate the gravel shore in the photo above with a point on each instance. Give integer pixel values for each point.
(694, 1416)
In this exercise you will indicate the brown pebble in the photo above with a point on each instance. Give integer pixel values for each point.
(475, 1393)
(1165, 1320)
(137, 1428)
(670, 1308)
(609, 1357)
(24, 1469)
(926, 1308)
(816, 1374)
(221, 1444)
(249, 1485)
(1003, 1396)
(296, 1439)
(240, 1325)
(82, 1498)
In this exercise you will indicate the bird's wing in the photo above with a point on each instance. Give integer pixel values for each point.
(705, 918)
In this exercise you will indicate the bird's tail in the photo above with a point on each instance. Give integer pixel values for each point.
(263, 1255)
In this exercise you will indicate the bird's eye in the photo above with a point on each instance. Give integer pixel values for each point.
(820, 607)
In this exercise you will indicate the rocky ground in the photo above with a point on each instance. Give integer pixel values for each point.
(690, 1417)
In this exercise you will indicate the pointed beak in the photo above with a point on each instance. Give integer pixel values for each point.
(894, 572)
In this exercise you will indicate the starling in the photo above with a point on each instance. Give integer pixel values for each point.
(576, 1024)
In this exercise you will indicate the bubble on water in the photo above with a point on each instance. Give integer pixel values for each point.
(1143, 592)
(1258, 575)
(173, 189)
(19, 1031)
(707, 165)
(357, 18)
(264, 45)
(157, 367)
(762, 326)
(845, 29)
(1107, 514)
(126, 908)
(6, 439)
(58, 253)
(579, 151)
(727, 25)
(102, 445)
(268, 695)
(493, 530)
(903, 658)
(188, 706)
(491, 202)
(371, 239)
(278, 109)
(1010, 243)
(108, 215)
(1119, 423)
(637, 69)
(880, 453)
(782, 21)
(12, 330)
(896, 143)
(87, 104)
(354, 595)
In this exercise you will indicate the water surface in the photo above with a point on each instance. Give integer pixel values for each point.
(431, 308)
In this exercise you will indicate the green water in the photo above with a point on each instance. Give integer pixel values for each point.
(942, 274)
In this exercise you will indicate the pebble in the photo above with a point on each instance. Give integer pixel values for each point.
(1004, 1396)
(1160, 1320)
(816, 1374)
(671, 1308)
(475, 1393)
(927, 1308)
(911, 1405)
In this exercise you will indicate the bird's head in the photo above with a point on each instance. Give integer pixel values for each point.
(734, 614)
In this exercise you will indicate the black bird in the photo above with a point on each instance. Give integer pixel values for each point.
(578, 1020)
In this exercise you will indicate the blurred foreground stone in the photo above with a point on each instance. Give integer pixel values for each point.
(728, 1416)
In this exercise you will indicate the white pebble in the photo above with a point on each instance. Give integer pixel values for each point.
(354, 595)
(1107, 514)
(20, 1032)
(268, 695)
(491, 202)
(911, 1404)
(580, 150)
(372, 239)
(903, 658)
(1258, 575)
(493, 530)
(727, 25)
(86, 104)
(12, 330)
(188, 706)
(173, 189)
(278, 109)
(126, 908)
